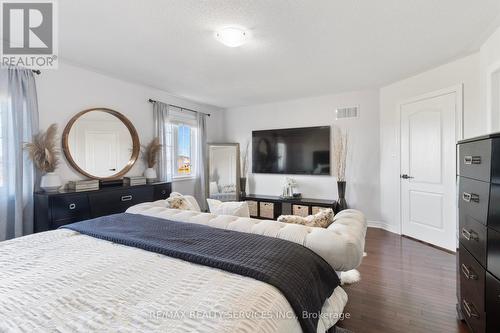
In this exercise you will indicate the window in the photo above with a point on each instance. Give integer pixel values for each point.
(184, 152)
(184, 142)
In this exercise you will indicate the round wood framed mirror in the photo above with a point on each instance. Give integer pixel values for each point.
(101, 143)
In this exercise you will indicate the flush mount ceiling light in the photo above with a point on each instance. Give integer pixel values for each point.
(232, 36)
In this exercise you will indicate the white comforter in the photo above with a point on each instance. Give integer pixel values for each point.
(65, 282)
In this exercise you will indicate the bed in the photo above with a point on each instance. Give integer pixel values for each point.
(68, 281)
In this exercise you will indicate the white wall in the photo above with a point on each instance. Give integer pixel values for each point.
(363, 166)
(490, 62)
(466, 71)
(70, 89)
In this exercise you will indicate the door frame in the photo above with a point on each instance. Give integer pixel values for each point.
(491, 124)
(459, 132)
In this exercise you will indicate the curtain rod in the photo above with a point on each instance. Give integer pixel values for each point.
(180, 107)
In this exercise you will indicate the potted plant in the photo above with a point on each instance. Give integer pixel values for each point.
(340, 159)
(150, 157)
(244, 169)
(45, 156)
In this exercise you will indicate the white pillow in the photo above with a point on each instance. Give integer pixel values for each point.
(234, 208)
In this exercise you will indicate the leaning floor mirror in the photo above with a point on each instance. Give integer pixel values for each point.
(223, 171)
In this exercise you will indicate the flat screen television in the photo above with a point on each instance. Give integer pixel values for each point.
(295, 151)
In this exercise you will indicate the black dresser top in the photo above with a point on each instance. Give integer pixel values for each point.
(297, 201)
(481, 137)
(101, 189)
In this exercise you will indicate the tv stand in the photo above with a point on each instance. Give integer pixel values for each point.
(271, 207)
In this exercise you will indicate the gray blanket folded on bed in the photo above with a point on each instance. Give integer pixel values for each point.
(304, 278)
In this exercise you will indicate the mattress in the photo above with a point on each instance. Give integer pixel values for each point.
(65, 281)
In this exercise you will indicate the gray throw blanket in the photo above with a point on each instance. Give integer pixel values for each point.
(304, 278)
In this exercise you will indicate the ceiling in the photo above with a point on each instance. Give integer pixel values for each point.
(298, 48)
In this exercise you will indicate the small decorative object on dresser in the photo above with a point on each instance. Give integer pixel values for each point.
(150, 157)
(83, 185)
(478, 270)
(340, 157)
(134, 180)
(45, 156)
(289, 186)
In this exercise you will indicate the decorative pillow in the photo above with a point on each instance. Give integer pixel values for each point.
(228, 188)
(178, 201)
(321, 219)
(234, 208)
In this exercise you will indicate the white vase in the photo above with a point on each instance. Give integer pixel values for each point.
(150, 174)
(50, 182)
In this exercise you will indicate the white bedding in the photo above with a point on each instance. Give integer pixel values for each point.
(67, 282)
(64, 281)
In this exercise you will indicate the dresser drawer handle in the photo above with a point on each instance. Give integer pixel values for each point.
(164, 192)
(469, 235)
(468, 273)
(468, 197)
(126, 198)
(472, 160)
(72, 206)
(469, 309)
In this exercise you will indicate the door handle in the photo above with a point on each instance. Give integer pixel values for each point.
(468, 235)
(126, 198)
(405, 176)
(468, 273)
(469, 309)
(472, 159)
(468, 197)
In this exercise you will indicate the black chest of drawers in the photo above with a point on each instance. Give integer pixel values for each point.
(479, 232)
(53, 210)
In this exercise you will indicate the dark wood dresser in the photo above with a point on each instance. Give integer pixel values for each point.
(53, 210)
(271, 207)
(479, 232)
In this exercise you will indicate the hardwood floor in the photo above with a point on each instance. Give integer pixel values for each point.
(405, 286)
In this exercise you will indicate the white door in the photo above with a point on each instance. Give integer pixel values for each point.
(428, 170)
(101, 153)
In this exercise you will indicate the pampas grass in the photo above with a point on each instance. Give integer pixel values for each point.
(244, 160)
(43, 150)
(150, 152)
(340, 154)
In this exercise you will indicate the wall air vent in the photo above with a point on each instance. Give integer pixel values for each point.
(348, 112)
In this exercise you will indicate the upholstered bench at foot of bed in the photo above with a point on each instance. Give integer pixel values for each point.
(341, 244)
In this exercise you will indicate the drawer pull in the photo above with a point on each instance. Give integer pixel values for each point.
(468, 273)
(126, 198)
(72, 206)
(164, 192)
(469, 235)
(469, 309)
(468, 197)
(472, 160)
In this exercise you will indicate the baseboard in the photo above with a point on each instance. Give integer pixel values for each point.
(383, 225)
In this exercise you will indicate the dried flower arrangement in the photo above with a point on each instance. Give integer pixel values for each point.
(340, 154)
(244, 160)
(43, 150)
(150, 152)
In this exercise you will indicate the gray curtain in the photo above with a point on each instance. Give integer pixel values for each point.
(163, 130)
(201, 160)
(19, 122)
